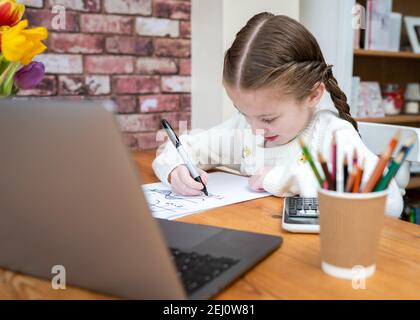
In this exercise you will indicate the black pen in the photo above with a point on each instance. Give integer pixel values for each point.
(191, 168)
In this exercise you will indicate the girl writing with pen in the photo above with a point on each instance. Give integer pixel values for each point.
(275, 74)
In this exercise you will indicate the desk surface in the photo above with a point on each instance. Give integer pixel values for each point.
(291, 272)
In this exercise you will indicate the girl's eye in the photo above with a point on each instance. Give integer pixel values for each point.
(268, 120)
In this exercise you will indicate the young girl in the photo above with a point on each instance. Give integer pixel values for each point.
(275, 75)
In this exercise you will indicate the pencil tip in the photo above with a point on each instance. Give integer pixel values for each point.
(320, 157)
(301, 142)
(412, 139)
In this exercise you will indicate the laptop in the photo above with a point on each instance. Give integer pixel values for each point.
(71, 197)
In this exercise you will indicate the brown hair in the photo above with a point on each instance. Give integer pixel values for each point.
(275, 50)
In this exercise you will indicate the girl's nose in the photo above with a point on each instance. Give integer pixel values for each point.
(258, 130)
(257, 127)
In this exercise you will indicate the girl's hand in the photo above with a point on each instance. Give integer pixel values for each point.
(182, 182)
(256, 181)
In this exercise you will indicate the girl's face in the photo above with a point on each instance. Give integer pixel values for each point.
(281, 117)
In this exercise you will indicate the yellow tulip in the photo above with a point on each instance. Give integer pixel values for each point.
(20, 44)
(10, 12)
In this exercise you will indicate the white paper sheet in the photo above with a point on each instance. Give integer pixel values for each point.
(223, 188)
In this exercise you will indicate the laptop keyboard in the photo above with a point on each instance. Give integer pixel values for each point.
(196, 270)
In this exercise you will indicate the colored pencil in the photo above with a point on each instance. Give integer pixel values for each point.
(311, 162)
(334, 160)
(345, 171)
(350, 180)
(381, 164)
(355, 158)
(361, 173)
(327, 174)
(396, 164)
(358, 178)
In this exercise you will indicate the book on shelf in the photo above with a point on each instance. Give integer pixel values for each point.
(366, 99)
(382, 27)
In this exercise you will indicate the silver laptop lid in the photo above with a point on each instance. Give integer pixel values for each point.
(70, 196)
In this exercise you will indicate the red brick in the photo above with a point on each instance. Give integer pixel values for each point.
(33, 3)
(102, 23)
(186, 117)
(176, 84)
(84, 5)
(126, 104)
(185, 29)
(47, 87)
(130, 141)
(136, 84)
(71, 85)
(143, 141)
(43, 18)
(186, 102)
(130, 45)
(109, 64)
(61, 63)
(158, 103)
(98, 84)
(178, 120)
(173, 47)
(157, 27)
(136, 7)
(75, 43)
(173, 118)
(172, 9)
(185, 67)
(150, 65)
(79, 85)
(139, 122)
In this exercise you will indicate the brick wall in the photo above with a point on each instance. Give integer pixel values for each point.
(136, 52)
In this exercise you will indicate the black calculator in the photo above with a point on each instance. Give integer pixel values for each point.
(301, 215)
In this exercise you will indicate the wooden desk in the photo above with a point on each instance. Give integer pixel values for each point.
(292, 272)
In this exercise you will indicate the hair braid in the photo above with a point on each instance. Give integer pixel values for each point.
(338, 97)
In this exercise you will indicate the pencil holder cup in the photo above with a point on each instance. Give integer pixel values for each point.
(350, 227)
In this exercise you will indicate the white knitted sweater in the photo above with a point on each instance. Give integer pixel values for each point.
(232, 144)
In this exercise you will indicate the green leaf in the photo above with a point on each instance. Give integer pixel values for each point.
(7, 85)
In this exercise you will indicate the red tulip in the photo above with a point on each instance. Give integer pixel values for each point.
(10, 12)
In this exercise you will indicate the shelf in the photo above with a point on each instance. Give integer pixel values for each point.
(414, 182)
(397, 119)
(386, 54)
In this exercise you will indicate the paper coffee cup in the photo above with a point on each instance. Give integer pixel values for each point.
(350, 225)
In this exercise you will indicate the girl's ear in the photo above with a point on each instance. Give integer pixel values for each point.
(316, 94)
